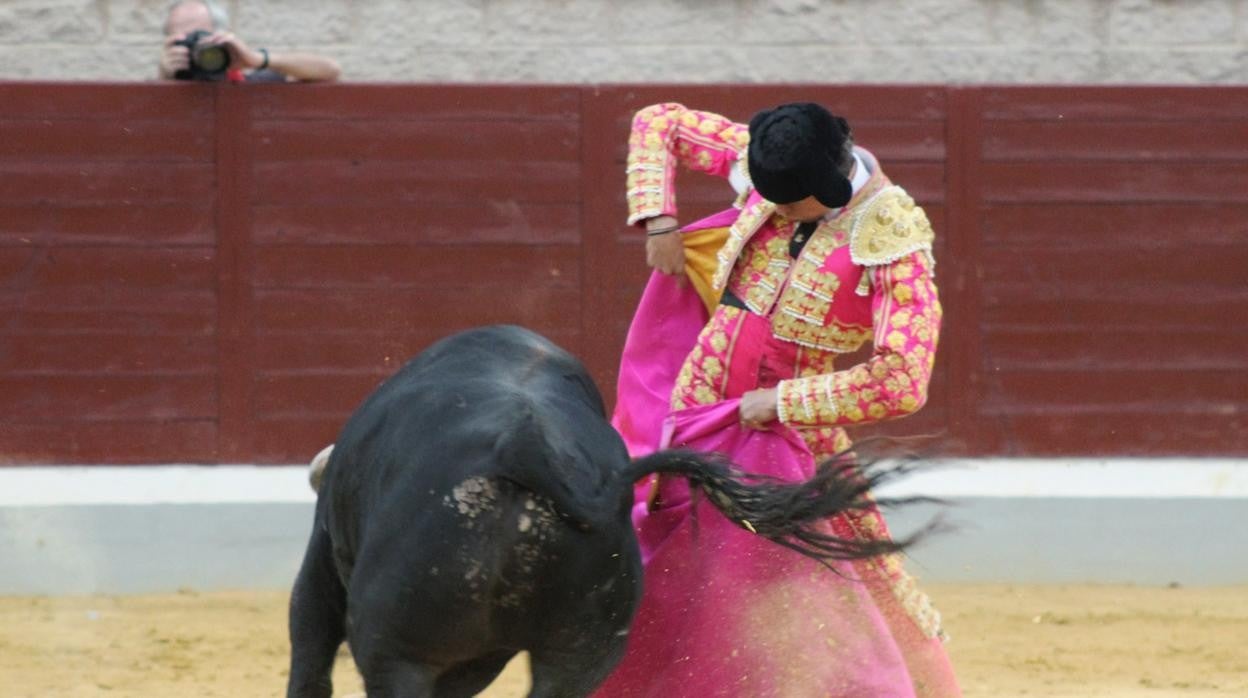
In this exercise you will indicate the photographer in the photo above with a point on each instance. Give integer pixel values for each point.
(199, 46)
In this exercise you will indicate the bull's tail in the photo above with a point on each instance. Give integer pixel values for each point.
(789, 513)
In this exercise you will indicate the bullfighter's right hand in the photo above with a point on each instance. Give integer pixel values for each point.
(665, 252)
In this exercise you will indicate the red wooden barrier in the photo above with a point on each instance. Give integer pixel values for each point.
(195, 273)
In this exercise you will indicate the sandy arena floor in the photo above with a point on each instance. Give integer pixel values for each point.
(1068, 641)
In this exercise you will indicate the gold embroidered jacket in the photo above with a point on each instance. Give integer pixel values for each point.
(866, 272)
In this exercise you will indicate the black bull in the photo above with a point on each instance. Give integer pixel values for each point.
(477, 504)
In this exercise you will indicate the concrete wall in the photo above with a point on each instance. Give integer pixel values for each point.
(159, 529)
(826, 41)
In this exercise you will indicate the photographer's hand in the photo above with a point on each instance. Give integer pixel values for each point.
(241, 56)
(307, 67)
(173, 58)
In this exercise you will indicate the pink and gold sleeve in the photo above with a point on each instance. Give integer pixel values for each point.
(664, 134)
(893, 382)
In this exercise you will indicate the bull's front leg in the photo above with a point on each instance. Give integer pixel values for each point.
(317, 620)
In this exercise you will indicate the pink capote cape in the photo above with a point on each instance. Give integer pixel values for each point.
(665, 328)
(725, 612)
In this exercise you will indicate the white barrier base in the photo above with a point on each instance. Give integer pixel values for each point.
(149, 529)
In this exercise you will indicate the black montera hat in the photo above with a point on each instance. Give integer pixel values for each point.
(794, 152)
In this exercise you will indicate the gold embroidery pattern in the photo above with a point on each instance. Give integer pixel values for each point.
(742, 229)
(824, 441)
(799, 329)
(704, 375)
(803, 314)
(805, 400)
(649, 162)
(700, 140)
(869, 525)
(889, 228)
(760, 273)
(894, 380)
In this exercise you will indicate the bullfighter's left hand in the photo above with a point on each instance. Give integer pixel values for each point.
(758, 408)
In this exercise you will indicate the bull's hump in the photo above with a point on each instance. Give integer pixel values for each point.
(543, 449)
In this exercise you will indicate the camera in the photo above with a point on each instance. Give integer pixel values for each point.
(208, 61)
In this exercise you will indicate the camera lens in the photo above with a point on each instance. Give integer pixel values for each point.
(211, 59)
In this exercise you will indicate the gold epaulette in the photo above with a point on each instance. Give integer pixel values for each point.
(889, 228)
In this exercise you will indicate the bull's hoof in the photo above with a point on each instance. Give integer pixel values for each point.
(316, 470)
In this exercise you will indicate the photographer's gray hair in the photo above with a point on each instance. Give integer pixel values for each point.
(220, 15)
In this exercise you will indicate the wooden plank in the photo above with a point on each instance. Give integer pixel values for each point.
(1184, 105)
(1010, 348)
(959, 274)
(1105, 228)
(110, 443)
(91, 138)
(1099, 310)
(1188, 274)
(540, 308)
(295, 439)
(114, 183)
(1063, 182)
(83, 309)
(697, 196)
(179, 102)
(325, 350)
(437, 181)
(1119, 433)
(1148, 141)
(149, 267)
(451, 103)
(469, 223)
(235, 300)
(603, 263)
(129, 225)
(33, 398)
(1028, 390)
(924, 181)
(318, 393)
(1152, 297)
(18, 265)
(378, 351)
(105, 352)
(500, 267)
(901, 141)
(468, 139)
(158, 301)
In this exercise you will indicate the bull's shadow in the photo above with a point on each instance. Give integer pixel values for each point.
(477, 505)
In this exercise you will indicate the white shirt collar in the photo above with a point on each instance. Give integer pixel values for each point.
(861, 174)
